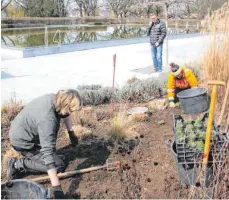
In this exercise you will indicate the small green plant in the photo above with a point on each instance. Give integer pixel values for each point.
(192, 132)
(199, 145)
(189, 129)
(198, 123)
(180, 135)
(179, 125)
(191, 144)
(193, 136)
(188, 121)
(202, 134)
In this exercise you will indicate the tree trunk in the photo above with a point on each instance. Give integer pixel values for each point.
(116, 14)
(81, 11)
(2, 8)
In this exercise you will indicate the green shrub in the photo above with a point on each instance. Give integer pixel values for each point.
(96, 97)
(140, 91)
(89, 87)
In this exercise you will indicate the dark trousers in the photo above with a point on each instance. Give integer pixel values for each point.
(177, 90)
(34, 163)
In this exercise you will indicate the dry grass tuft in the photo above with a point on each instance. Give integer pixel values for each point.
(140, 117)
(10, 153)
(216, 58)
(123, 126)
(80, 131)
(158, 104)
(102, 114)
(132, 80)
(85, 117)
(9, 111)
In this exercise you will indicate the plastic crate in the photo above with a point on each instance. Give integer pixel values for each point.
(187, 155)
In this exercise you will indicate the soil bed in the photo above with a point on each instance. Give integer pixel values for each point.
(147, 171)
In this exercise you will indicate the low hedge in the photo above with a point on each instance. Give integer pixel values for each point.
(37, 21)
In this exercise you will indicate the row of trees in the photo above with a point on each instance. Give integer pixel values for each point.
(176, 8)
(120, 8)
(39, 8)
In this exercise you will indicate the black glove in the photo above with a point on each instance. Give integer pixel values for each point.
(56, 192)
(73, 138)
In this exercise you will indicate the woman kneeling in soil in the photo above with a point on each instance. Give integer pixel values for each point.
(180, 78)
(33, 133)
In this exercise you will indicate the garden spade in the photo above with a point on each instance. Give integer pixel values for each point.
(209, 124)
(109, 166)
(225, 101)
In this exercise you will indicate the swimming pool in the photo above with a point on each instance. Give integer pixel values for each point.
(75, 34)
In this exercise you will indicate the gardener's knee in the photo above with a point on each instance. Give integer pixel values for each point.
(60, 165)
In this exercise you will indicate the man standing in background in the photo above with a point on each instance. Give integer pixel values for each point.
(157, 34)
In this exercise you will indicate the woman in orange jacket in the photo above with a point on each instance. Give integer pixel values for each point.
(180, 78)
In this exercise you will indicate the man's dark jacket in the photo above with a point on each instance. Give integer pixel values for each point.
(157, 32)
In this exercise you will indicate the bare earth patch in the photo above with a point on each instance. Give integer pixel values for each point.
(148, 170)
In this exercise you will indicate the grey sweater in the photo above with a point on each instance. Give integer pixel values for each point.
(157, 32)
(37, 125)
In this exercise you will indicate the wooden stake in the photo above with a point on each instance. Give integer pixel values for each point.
(167, 42)
(114, 69)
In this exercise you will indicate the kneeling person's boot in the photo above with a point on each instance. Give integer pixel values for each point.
(14, 168)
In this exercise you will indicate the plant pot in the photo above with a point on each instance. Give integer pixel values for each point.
(188, 173)
(22, 189)
(194, 100)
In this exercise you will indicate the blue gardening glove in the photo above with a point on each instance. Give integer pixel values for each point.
(73, 138)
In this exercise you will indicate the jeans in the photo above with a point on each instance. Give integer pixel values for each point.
(157, 57)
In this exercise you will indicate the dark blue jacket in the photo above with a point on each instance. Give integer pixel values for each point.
(157, 32)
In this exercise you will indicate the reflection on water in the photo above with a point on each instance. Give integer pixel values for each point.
(75, 34)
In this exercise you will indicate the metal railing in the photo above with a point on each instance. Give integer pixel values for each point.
(59, 39)
(46, 39)
(57, 34)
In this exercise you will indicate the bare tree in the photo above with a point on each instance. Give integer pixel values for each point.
(44, 8)
(114, 5)
(62, 7)
(92, 5)
(175, 8)
(88, 6)
(5, 4)
(125, 7)
(148, 7)
(205, 6)
(188, 9)
(158, 9)
(79, 4)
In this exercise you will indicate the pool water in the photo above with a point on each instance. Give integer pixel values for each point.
(31, 37)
